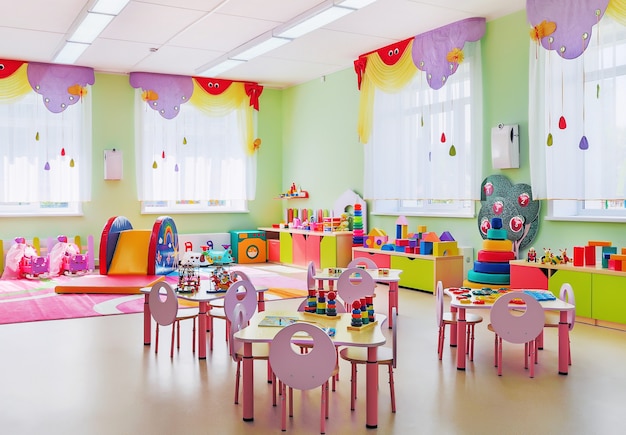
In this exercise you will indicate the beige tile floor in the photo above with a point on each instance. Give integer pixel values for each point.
(94, 376)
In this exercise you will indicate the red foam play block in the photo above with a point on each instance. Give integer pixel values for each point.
(590, 255)
(579, 256)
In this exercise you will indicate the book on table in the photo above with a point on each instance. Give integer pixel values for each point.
(278, 321)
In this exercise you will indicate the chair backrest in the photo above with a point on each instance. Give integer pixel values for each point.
(567, 294)
(237, 274)
(439, 303)
(240, 302)
(310, 281)
(303, 371)
(163, 303)
(394, 335)
(366, 261)
(351, 289)
(517, 325)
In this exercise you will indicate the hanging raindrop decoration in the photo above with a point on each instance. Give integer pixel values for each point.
(72, 164)
(550, 140)
(562, 123)
(62, 152)
(584, 143)
(37, 136)
(452, 151)
(154, 165)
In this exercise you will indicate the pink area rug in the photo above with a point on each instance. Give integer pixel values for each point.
(35, 300)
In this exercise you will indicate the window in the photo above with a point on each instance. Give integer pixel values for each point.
(581, 169)
(46, 157)
(192, 163)
(423, 154)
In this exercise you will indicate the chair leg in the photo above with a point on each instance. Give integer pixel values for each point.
(237, 381)
(324, 407)
(156, 340)
(290, 402)
(353, 387)
(540, 341)
(470, 343)
(499, 363)
(173, 337)
(193, 337)
(495, 350)
(442, 338)
(532, 346)
(392, 389)
(210, 328)
(283, 405)
(274, 388)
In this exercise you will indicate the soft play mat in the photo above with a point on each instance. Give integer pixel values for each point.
(109, 284)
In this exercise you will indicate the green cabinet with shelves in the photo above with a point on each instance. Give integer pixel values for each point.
(581, 284)
(608, 299)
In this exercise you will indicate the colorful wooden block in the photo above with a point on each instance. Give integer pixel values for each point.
(426, 247)
(445, 248)
(579, 255)
(402, 242)
(590, 255)
(446, 237)
(598, 243)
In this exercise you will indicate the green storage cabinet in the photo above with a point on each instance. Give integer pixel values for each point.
(609, 298)
(416, 273)
(286, 247)
(581, 284)
(328, 252)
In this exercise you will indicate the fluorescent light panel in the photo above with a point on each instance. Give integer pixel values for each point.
(262, 48)
(356, 4)
(91, 27)
(70, 52)
(111, 7)
(216, 70)
(315, 22)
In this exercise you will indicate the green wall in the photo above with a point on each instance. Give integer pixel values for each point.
(309, 137)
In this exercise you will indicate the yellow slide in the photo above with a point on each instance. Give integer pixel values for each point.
(131, 253)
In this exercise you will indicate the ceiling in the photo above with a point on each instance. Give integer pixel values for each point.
(183, 36)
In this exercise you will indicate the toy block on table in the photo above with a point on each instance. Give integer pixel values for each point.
(441, 249)
(615, 264)
(430, 237)
(579, 255)
(426, 247)
(598, 243)
(402, 225)
(590, 255)
(446, 237)
(402, 242)
(607, 251)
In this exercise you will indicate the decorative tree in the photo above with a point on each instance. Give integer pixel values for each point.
(514, 205)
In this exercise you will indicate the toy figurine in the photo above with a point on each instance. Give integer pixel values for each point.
(532, 255)
(564, 256)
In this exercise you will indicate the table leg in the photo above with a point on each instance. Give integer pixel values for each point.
(261, 301)
(393, 301)
(202, 326)
(563, 343)
(147, 320)
(248, 383)
(460, 340)
(371, 386)
(453, 328)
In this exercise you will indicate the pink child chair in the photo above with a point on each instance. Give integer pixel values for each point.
(164, 308)
(303, 371)
(518, 327)
(240, 304)
(351, 288)
(449, 318)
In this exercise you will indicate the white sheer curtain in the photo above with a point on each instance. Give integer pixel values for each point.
(406, 157)
(193, 157)
(589, 92)
(46, 157)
